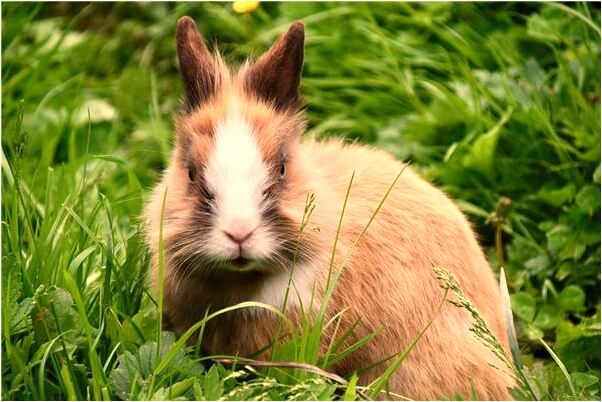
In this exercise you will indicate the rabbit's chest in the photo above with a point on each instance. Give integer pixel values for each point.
(245, 328)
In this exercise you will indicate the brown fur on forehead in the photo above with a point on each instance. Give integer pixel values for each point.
(275, 131)
(195, 131)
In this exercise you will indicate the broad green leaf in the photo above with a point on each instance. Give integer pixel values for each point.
(588, 199)
(572, 298)
(197, 391)
(556, 196)
(580, 354)
(482, 151)
(523, 305)
(138, 329)
(565, 269)
(578, 346)
(55, 313)
(532, 332)
(547, 317)
(549, 25)
(540, 28)
(20, 318)
(178, 391)
(562, 242)
(538, 265)
(584, 380)
(567, 332)
(133, 371)
(213, 387)
(124, 375)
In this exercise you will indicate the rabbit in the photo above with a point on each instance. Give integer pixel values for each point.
(236, 189)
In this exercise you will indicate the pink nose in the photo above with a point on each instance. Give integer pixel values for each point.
(238, 234)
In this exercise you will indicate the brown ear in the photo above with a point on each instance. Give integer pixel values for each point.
(275, 76)
(196, 64)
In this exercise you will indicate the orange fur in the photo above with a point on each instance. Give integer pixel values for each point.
(388, 280)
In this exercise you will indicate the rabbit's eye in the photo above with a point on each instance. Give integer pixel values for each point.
(282, 169)
(191, 174)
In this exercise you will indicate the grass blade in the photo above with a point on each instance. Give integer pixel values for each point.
(561, 366)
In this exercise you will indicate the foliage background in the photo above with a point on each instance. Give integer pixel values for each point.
(486, 100)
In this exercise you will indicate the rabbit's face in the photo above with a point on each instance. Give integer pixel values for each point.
(234, 162)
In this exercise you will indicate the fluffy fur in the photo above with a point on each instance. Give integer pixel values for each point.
(240, 131)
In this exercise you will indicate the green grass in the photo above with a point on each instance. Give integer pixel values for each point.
(499, 104)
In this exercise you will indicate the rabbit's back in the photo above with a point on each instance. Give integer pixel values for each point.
(388, 279)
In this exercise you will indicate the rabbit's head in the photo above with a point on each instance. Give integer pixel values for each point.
(234, 167)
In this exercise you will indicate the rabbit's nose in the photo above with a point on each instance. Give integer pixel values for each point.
(238, 234)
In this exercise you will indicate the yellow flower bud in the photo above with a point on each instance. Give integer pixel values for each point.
(242, 7)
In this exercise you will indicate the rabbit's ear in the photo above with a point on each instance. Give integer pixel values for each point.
(275, 76)
(196, 64)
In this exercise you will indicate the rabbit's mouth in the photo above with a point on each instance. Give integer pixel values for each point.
(237, 266)
(241, 262)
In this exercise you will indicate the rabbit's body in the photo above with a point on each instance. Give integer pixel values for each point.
(387, 281)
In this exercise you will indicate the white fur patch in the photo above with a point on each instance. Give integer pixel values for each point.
(237, 175)
(274, 288)
(273, 291)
